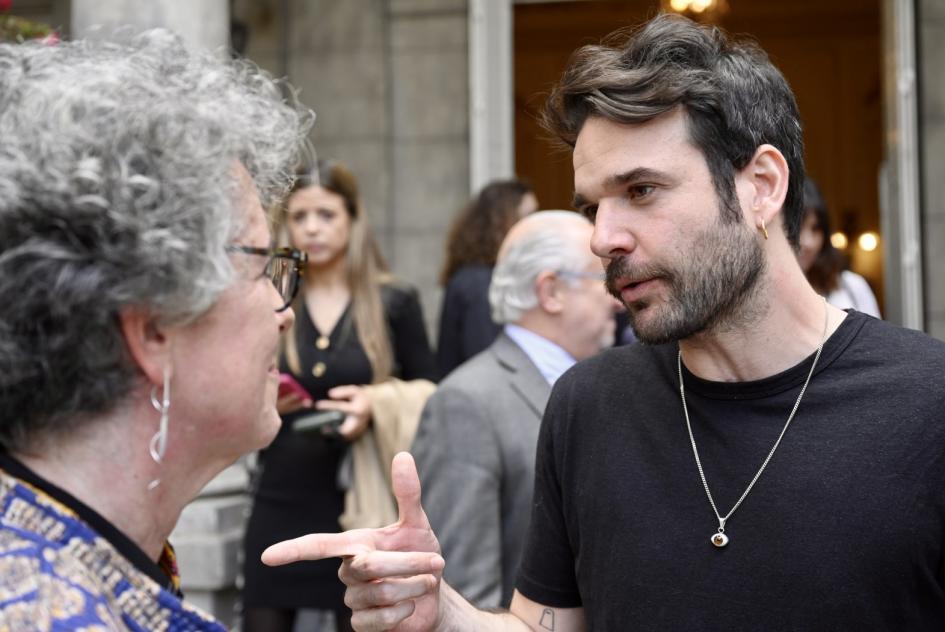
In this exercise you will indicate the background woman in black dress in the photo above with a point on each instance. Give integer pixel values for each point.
(466, 325)
(354, 326)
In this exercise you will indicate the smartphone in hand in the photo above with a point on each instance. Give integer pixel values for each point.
(289, 385)
(325, 421)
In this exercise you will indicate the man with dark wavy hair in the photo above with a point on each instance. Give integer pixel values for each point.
(763, 460)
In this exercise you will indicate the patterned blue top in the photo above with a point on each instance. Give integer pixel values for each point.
(57, 573)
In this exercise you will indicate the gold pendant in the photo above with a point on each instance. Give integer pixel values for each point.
(719, 539)
(322, 342)
(319, 369)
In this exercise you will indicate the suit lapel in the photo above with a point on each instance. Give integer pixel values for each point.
(524, 377)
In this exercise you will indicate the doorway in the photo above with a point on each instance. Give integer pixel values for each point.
(829, 50)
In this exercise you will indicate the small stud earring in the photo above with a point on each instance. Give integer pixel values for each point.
(764, 231)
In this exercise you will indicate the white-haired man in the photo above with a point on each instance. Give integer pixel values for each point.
(475, 448)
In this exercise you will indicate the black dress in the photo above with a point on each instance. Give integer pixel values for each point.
(466, 325)
(296, 492)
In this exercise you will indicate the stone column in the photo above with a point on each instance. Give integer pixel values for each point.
(491, 118)
(428, 124)
(931, 57)
(901, 207)
(389, 81)
(203, 23)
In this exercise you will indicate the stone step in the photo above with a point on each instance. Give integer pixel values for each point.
(208, 561)
(214, 514)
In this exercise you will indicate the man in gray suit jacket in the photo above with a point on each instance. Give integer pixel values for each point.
(475, 447)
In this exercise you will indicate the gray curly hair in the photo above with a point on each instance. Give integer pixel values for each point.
(118, 188)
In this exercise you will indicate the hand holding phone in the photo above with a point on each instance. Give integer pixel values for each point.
(324, 421)
(289, 385)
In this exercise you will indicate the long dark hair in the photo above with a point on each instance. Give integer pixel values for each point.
(366, 269)
(478, 230)
(824, 272)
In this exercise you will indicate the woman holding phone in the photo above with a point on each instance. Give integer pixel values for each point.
(355, 326)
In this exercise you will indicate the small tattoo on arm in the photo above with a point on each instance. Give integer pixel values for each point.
(547, 619)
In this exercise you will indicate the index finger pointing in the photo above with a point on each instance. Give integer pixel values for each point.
(317, 546)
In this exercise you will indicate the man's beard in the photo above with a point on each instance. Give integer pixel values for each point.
(709, 287)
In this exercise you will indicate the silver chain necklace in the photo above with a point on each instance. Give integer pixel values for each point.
(719, 538)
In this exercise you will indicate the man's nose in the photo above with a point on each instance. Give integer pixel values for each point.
(612, 237)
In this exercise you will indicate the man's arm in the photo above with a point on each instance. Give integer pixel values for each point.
(458, 459)
(394, 575)
(525, 615)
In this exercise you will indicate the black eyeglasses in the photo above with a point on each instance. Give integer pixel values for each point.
(284, 268)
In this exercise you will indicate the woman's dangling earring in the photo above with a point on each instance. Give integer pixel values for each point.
(158, 444)
(764, 231)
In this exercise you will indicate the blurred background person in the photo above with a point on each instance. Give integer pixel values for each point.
(141, 306)
(823, 264)
(355, 326)
(466, 325)
(475, 448)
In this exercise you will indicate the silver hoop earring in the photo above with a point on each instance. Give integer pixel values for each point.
(158, 444)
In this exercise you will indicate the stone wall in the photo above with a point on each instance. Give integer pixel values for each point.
(931, 58)
(388, 80)
(208, 542)
(204, 23)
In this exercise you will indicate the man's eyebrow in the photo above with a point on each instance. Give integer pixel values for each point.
(622, 179)
(635, 175)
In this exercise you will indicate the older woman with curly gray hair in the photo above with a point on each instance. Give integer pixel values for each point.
(141, 304)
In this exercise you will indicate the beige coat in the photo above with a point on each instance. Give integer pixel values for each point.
(395, 412)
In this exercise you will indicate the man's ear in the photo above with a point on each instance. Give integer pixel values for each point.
(148, 344)
(548, 291)
(766, 175)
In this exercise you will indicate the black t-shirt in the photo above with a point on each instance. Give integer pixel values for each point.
(843, 531)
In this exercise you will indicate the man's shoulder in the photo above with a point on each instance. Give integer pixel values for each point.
(634, 360)
(480, 372)
(609, 379)
(899, 344)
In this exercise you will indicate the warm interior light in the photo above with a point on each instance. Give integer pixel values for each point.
(839, 240)
(868, 241)
(697, 9)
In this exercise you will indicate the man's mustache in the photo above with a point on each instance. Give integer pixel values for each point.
(620, 270)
